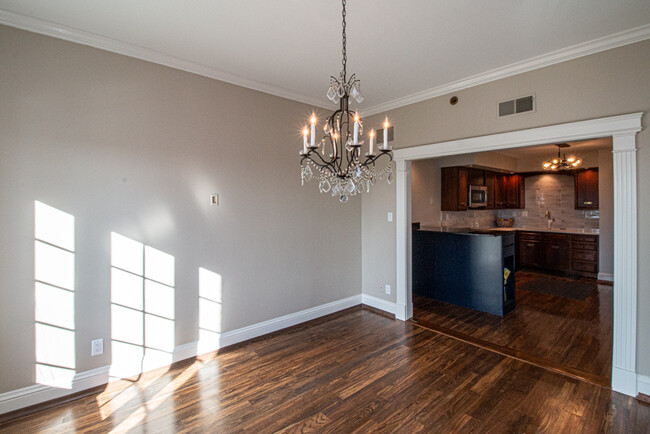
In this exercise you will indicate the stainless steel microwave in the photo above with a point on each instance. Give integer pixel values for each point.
(477, 196)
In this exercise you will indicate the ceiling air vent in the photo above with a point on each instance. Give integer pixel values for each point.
(516, 106)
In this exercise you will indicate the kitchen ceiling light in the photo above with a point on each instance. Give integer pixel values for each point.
(560, 163)
(339, 167)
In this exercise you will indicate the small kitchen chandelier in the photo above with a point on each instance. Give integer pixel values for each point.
(561, 163)
(339, 167)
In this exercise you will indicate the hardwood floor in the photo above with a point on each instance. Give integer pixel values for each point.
(354, 371)
(556, 331)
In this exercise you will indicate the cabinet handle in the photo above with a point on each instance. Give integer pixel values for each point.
(587, 202)
(530, 245)
(555, 247)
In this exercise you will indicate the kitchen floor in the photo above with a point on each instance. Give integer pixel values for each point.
(563, 334)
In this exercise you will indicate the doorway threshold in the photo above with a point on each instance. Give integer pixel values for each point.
(515, 354)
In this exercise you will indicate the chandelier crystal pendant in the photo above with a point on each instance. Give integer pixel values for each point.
(339, 166)
(561, 163)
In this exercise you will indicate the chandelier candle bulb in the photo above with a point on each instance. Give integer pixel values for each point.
(356, 129)
(372, 142)
(385, 147)
(305, 132)
(313, 130)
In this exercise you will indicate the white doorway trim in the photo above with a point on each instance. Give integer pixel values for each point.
(623, 130)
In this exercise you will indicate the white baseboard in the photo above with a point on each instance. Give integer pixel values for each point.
(272, 325)
(607, 277)
(185, 351)
(624, 381)
(378, 303)
(643, 384)
(36, 394)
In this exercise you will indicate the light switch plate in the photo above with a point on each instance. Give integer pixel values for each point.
(390, 216)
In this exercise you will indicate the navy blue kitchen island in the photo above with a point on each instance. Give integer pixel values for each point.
(465, 267)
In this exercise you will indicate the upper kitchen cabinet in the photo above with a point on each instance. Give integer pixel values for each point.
(491, 184)
(515, 192)
(503, 191)
(586, 189)
(500, 190)
(453, 194)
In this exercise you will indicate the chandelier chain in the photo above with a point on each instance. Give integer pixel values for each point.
(344, 51)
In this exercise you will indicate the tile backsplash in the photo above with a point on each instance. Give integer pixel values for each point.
(554, 193)
(468, 219)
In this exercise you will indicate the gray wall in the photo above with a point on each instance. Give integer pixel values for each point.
(606, 211)
(425, 191)
(137, 148)
(610, 83)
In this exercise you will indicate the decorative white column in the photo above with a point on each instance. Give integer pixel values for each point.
(404, 304)
(625, 264)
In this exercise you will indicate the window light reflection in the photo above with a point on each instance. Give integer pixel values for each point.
(54, 275)
(210, 309)
(142, 307)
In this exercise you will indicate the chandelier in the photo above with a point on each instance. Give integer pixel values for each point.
(561, 163)
(339, 166)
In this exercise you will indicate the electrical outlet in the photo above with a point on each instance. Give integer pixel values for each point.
(390, 216)
(97, 347)
(387, 289)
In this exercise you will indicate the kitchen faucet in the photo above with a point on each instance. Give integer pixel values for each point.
(550, 219)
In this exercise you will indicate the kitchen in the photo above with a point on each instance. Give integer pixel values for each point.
(558, 252)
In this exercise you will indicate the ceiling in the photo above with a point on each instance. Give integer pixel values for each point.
(403, 51)
(543, 152)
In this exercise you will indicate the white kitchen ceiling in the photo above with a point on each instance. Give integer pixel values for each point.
(403, 51)
(543, 152)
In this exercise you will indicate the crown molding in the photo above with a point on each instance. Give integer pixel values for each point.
(584, 49)
(115, 46)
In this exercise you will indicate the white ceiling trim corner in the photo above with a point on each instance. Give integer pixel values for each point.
(573, 52)
(115, 46)
(90, 39)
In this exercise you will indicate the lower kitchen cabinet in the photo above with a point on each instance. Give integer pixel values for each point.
(573, 253)
(529, 249)
(556, 251)
(584, 253)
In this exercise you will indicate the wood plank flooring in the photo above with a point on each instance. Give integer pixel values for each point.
(573, 334)
(353, 371)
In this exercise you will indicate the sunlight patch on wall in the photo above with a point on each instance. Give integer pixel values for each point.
(142, 307)
(54, 275)
(209, 311)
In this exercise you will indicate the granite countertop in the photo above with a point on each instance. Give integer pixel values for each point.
(496, 229)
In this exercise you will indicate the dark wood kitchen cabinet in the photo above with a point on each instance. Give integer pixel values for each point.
(501, 185)
(504, 191)
(574, 253)
(530, 250)
(586, 189)
(453, 188)
(515, 192)
(491, 184)
(556, 251)
(584, 253)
